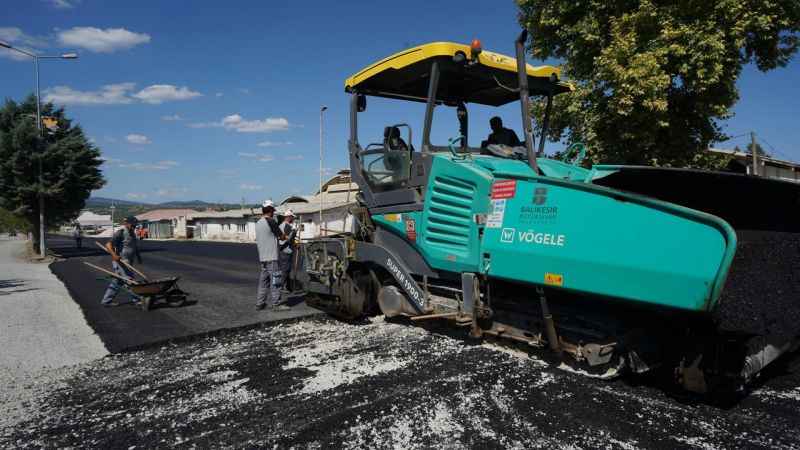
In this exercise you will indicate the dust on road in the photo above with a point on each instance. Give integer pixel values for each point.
(318, 383)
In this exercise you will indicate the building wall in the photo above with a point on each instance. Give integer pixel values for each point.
(160, 230)
(333, 220)
(180, 227)
(781, 173)
(225, 229)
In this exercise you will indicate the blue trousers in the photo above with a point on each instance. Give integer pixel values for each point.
(269, 282)
(113, 288)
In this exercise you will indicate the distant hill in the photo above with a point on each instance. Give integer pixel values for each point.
(124, 208)
(187, 204)
(104, 202)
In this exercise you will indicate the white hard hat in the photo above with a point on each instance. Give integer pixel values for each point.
(289, 212)
(267, 204)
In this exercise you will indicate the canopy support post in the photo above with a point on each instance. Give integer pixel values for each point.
(433, 85)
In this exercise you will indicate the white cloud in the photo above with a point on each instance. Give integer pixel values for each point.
(292, 157)
(160, 165)
(147, 167)
(219, 94)
(136, 195)
(20, 40)
(63, 4)
(250, 187)
(120, 94)
(110, 94)
(239, 124)
(273, 144)
(160, 93)
(256, 156)
(138, 139)
(244, 90)
(204, 125)
(172, 118)
(101, 41)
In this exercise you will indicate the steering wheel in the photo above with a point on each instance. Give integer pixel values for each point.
(579, 148)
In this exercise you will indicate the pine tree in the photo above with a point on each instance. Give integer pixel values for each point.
(70, 165)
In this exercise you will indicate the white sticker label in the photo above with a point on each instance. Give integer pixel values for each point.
(495, 219)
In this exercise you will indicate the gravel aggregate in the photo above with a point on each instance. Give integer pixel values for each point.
(320, 383)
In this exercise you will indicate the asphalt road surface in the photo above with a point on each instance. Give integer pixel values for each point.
(319, 383)
(221, 280)
(314, 382)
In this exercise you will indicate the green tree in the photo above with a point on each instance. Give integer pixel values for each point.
(70, 165)
(654, 79)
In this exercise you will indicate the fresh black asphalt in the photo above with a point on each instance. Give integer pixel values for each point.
(220, 278)
(319, 383)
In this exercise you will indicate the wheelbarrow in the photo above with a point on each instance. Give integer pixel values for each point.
(150, 291)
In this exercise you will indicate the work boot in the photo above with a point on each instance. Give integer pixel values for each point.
(111, 303)
(260, 306)
(280, 308)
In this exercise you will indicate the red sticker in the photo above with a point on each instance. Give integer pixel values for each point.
(504, 189)
(411, 229)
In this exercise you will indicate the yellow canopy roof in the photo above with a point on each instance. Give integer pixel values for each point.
(405, 75)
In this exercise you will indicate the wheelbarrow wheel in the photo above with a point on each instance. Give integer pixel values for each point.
(176, 297)
(147, 303)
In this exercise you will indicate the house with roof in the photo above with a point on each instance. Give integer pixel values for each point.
(232, 225)
(327, 212)
(335, 199)
(90, 220)
(166, 223)
(769, 167)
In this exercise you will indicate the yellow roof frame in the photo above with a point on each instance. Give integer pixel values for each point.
(414, 55)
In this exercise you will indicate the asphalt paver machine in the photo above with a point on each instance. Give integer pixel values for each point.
(611, 267)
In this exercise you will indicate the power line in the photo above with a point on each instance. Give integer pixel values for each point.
(773, 148)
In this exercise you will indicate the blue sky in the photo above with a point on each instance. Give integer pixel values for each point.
(220, 101)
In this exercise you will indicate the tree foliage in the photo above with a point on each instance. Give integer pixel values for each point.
(654, 79)
(70, 165)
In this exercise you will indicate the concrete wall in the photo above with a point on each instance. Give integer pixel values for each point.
(160, 230)
(333, 220)
(225, 229)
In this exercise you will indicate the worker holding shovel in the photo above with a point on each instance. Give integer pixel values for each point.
(123, 248)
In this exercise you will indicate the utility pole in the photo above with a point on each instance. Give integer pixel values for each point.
(754, 151)
(321, 193)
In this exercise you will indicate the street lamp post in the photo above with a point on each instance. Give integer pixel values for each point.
(112, 218)
(36, 58)
(321, 193)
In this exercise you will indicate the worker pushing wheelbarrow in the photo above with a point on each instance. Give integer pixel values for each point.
(123, 248)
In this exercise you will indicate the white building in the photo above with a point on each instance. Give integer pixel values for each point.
(88, 219)
(335, 199)
(233, 225)
(166, 223)
(768, 167)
